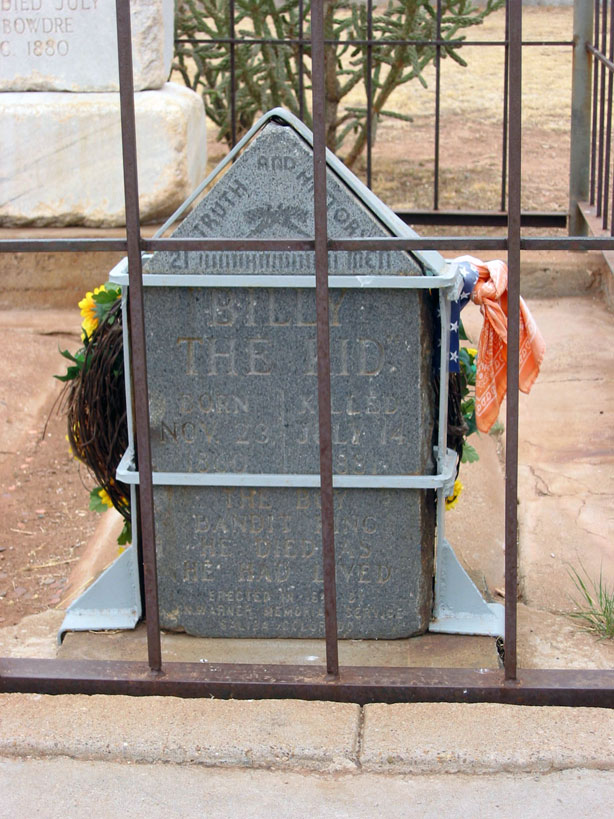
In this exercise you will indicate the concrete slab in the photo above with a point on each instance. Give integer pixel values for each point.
(221, 733)
(485, 738)
(566, 454)
(33, 637)
(72, 787)
(419, 738)
(429, 650)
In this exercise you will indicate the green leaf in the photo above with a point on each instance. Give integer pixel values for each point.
(470, 455)
(96, 504)
(125, 536)
(71, 374)
(107, 296)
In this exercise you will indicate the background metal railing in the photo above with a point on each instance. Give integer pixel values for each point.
(602, 50)
(299, 46)
(332, 682)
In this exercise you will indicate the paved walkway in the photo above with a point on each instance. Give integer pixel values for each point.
(59, 788)
(122, 756)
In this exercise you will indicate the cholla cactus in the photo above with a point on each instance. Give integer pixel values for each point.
(268, 75)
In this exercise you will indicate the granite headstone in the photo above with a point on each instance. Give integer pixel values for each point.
(59, 106)
(233, 388)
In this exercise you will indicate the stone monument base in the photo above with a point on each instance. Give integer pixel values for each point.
(65, 151)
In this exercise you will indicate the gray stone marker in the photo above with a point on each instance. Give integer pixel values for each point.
(71, 45)
(233, 389)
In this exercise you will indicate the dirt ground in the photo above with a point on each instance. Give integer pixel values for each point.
(44, 495)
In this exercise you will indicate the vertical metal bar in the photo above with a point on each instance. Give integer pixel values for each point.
(301, 55)
(506, 79)
(137, 331)
(437, 108)
(580, 151)
(233, 70)
(323, 342)
(594, 98)
(369, 90)
(608, 138)
(513, 322)
(602, 48)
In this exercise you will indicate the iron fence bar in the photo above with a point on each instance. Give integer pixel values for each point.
(513, 255)
(580, 135)
(233, 86)
(608, 137)
(441, 243)
(601, 137)
(358, 684)
(62, 245)
(369, 91)
(360, 42)
(482, 218)
(301, 55)
(437, 109)
(322, 335)
(188, 244)
(137, 331)
(568, 243)
(593, 50)
(506, 58)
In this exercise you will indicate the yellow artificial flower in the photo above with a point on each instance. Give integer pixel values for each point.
(89, 311)
(472, 351)
(104, 497)
(452, 499)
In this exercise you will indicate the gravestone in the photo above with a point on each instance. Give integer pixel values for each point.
(61, 146)
(71, 45)
(233, 389)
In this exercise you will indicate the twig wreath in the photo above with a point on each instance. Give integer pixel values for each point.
(94, 401)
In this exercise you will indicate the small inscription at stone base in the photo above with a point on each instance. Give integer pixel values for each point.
(241, 562)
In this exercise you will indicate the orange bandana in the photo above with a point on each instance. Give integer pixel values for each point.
(490, 293)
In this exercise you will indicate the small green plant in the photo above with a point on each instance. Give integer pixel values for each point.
(594, 609)
(467, 358)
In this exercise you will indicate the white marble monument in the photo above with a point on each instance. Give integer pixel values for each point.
(59, 107)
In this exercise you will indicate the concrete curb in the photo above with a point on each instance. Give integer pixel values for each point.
(421, 738)
(283, 734)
